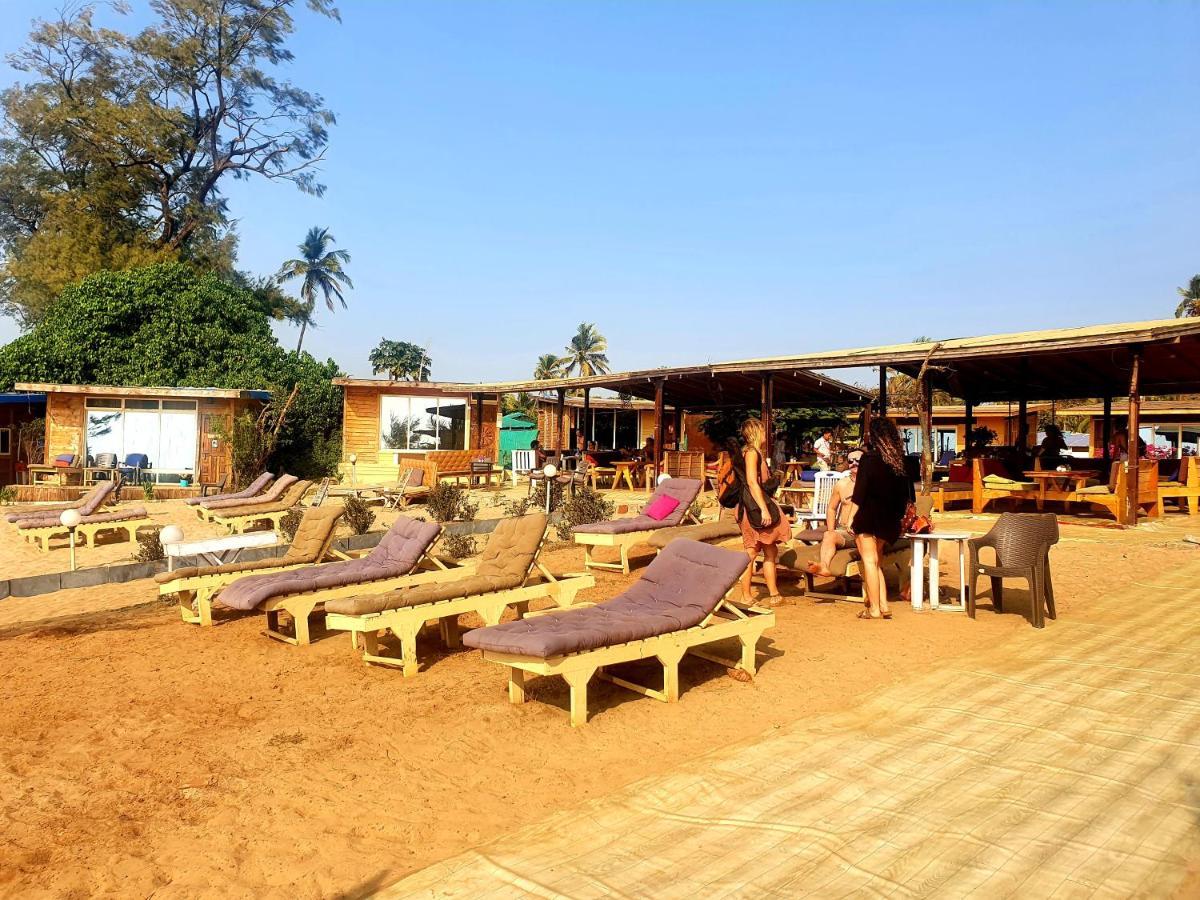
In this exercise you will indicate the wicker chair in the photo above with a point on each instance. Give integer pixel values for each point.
(1021, 542)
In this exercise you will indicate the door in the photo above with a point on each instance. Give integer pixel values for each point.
(215, 457)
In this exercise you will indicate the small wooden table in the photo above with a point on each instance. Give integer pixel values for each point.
(1057, 485)
(219, 551)
(791, 471)
(624, 471)
(916, 583)
(799, 495)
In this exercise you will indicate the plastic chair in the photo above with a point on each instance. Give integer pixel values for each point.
(823, 483)
(1021, 542)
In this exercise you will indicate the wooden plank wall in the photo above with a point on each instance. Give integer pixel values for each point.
(64, 425)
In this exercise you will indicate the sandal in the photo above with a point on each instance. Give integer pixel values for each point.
(866, 614)
(740, 675)
(774, 601)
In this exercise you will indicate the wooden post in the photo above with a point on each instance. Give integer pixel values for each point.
(1106, 434)
(768, 411)
(1131, 467)
(883, 393)
(477, 443)
(559, 412)
(1023, 422)
(926, 413)
(587, 417)
(968, 426)
(678, 428)
(658, 426)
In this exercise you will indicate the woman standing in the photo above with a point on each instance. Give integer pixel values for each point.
(882, 493)
(756, 503)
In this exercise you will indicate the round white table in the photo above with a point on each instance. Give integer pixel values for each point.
(917, 583)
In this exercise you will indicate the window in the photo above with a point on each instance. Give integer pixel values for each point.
(5, 441)
(616, 429)
(422, 423)
(164, 430)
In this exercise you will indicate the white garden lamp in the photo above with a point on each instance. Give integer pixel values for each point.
(353, 469)
(70, 519)
(172, 534)
(550, 471)
(663, 477)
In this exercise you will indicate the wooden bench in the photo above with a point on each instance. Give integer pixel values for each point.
(456, 464)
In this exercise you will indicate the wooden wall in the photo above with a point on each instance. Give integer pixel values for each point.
(64, 425)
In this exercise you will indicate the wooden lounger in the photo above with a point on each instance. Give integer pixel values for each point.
(624, 534)
(107, 522)
(195, 587)
(499, 580)
(240, 518)
(546, 645)
(270, 493)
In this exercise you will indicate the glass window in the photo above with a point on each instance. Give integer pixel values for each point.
(142, 435)
(5, 441)
(451, 424)
(393, 423)
(179, 404)
(626, 430)
(177, 442)
(947, 440)
(602, 429)
(141, 404)
(912, 439)
(1189, 440)
(422, 423)
(105, 433)
(102, 403)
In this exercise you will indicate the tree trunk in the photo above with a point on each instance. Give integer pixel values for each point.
(925, 416)
(300, 343)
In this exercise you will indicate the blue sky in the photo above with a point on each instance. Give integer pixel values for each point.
(710, 181)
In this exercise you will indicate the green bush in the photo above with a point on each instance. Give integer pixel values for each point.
(586, 507)
(8, 496)
(458, 546)
(290, 523)
(147, 491)
(537, 500)
(359, 516)
(451, 503)
(150, 547)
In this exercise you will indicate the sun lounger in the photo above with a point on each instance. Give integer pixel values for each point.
(679, 604)
(719, 530)
(298, 592)
(87, 504)
(195, 586)
(257, 485)
(500, 579)
(238, 518)
(845, 565)
(626, 533)
(213, 507)
(42, 530)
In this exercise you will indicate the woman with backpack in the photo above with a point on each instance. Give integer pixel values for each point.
(760, 518)
(882, 493)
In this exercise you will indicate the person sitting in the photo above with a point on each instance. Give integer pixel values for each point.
(1054, 446)
(839, 518)
(539, 455)
(589, 454)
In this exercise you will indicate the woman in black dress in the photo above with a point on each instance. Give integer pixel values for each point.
(882, 492)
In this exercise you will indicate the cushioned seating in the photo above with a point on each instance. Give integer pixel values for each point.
(721, 530)
(396, 554)
(505, 563)
(232, 506)
(678, 590)
(799, 557)
(308, 546)
(952, 485)
(116, 515)
(250, 490)
(684, 490)
(87, 508)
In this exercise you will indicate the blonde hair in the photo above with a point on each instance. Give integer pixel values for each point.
(754, 435)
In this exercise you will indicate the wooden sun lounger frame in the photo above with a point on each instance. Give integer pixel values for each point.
(195, 594)
(406, 622)
(87, 530)
(729, 619)
(239, 524)
(623, 542)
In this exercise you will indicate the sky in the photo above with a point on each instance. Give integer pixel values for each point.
(710, 181)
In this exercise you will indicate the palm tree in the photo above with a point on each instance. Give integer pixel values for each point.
(322, 270)
(585, 353)
(1189, 305)
(548, 366)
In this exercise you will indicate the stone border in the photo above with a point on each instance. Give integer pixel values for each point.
(119, 573)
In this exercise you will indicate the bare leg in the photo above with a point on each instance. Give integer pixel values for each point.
(831, 543)
(883, 597)
(868, 551)
(748, 575)
(770, 555)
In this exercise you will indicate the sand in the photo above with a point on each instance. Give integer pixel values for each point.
(140, 756)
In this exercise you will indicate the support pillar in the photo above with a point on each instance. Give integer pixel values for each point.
(678, 428)
(1106, 435)
(558, 412)
(587, 418)
(968, 427)
(658, 426)
(1131, 467)
(477, 442)
(768, 411)
(883, 391)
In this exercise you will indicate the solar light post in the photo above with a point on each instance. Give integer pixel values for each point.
(663, 477)
(172, 534)
(70, 519)
(550, 471)
(353, 469)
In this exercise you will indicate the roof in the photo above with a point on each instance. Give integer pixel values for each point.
(1145, 408)
(104, 390)
(517, 420)
(429, 387)
(22, 399)
(959, 410)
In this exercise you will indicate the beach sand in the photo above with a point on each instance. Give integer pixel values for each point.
(140, 755)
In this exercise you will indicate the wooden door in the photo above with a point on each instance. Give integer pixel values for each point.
(215, 454)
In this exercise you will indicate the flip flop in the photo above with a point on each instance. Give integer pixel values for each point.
(865, 614)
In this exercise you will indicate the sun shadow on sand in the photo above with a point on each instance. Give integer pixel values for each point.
(130, 618)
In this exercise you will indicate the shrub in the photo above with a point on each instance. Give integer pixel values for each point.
(695, 510)
(150, 548)
(538, 499)
(148, 492)
(451, 503)
(290, 523)
(359, 516)
(585, 507)
(8, 496)
(458, 546)
(515, 508)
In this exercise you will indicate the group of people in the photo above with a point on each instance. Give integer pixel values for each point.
(866, 509)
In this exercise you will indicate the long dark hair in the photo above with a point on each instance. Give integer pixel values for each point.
(884, 439)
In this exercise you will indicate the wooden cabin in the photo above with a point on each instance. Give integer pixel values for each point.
(15, 410)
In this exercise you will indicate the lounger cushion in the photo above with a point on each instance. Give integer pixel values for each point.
(117, 515)
(92, 502)
(272, 494)
(685, 490)
(397, 554)
(309, 545)
(709, 531)
(249, 491)
(960, 486)
(506, 560)
(290, 498)
(678, 590)
(799, 556)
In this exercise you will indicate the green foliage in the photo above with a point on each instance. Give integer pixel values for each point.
(537, 500)
(117, 146)
(586, 507)
(359, 515)
(517, 507)
(458, 546)
(795, 423)
(8, 495)
(401, 360)
(320, 270)
(982, 436)
(522, 403)
(548, 366)
(148, 491)
(290, 523)
(451, 503)
(585, 354)
(1189, 299)
(150, 547)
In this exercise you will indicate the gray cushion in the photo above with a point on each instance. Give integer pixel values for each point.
(282, 483)
(90, 503)
(397, 554)
(253, 488)
(677, 590)
(708, 531)
(685, 490)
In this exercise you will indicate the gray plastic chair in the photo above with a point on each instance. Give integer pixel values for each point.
(1022, 543)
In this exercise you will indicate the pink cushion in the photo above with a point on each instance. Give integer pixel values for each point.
(662, 507)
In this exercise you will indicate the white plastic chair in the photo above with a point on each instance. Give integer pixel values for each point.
(522, 463)
(823, 485)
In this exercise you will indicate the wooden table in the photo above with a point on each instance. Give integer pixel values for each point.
(1056, 485)
(624, 470)
(791, 471)
(802, 494)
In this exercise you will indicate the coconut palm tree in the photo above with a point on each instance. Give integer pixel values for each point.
(548, 366)
(1189, 304)
(322, 270)
(585, 354)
